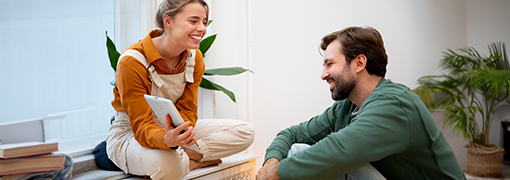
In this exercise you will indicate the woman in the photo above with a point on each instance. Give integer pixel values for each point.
(166, 64)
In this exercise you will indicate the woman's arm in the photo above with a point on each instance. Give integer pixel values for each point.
(132, 82)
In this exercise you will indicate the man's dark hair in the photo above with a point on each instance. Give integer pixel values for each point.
(361, 40)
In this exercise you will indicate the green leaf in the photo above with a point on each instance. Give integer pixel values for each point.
(226, 71)
(113, 54)
(206, 43)
(494, 84)
(213, 86)
(208, 23)
(112, 119)
(426, 95)
(474, 86)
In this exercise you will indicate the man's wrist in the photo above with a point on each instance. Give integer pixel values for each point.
(271, 161)
(275, 171)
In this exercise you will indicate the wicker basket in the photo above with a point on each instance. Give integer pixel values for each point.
(484, 161)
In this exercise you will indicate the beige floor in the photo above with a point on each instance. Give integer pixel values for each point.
(505, 173)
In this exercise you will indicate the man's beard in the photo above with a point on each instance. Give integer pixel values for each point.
(343, 87)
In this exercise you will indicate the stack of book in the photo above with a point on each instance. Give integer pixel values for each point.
(28, 157)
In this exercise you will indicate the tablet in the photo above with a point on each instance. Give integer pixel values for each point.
(161, 107)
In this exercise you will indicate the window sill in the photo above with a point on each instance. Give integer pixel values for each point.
(80, 146)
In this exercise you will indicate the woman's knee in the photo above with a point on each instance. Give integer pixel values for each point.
(176, 171)
(246, 131)
(165, 164)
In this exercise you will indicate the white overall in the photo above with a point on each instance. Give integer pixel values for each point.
(217, 138)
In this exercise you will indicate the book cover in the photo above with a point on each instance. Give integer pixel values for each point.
(26, 149)
(30, 164)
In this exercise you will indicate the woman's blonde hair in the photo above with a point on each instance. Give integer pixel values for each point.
(174, 7)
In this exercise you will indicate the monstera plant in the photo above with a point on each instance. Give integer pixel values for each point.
(204, 46)
(469, 96)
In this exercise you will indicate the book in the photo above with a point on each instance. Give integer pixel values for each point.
(31, 164)
(26, 149)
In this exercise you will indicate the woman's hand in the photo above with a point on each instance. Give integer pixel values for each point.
(173, 136)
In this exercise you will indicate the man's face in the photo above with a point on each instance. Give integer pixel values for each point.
(337, 72)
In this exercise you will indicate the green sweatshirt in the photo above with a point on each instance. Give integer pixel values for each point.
(393, 131)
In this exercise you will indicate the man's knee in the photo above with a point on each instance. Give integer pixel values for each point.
(297, 147)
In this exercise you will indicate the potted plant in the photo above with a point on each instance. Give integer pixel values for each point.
(468, 95)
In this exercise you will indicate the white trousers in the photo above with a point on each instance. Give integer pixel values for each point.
(217, 138)
(367, 172)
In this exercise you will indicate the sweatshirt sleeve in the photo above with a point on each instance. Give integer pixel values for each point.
(187, 104)
(132, 83)
(372, 135)
(308, 132)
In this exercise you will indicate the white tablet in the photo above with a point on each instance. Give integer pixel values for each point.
(161, 107)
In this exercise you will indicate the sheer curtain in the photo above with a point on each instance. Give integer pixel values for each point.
(54, 63)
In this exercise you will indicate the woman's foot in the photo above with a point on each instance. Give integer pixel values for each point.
(196, 164)
(194, 160)
(193, 155)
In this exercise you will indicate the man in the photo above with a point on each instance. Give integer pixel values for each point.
(373, 122)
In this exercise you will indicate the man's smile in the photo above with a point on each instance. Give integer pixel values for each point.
(331, 83)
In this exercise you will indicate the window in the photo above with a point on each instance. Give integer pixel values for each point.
(54, 63)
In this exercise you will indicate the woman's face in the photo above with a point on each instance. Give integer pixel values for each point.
(189, 26)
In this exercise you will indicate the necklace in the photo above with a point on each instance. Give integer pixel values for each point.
(169, 63)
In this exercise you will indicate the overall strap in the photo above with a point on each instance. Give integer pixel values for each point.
(190, 66)
(140, 57)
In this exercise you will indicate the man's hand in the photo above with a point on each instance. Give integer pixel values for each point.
(270, 170)
(173, 136)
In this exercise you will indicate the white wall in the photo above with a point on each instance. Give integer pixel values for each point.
(488, 21)
(279, 41)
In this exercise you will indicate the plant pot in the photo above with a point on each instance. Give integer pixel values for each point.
(484, 161)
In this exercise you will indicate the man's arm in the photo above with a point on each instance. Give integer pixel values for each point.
(269, 170)
(379, 130)
(308, 132)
